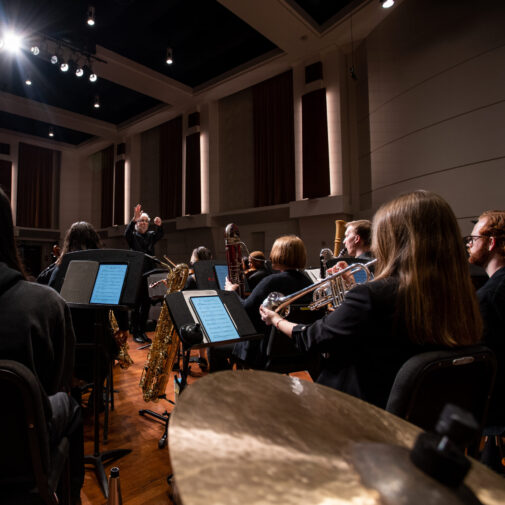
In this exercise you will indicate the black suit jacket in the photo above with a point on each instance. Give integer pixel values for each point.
(366, 343)
(492, 306)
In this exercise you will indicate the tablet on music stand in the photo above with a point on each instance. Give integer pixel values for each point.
(221, 274)
(214, 318)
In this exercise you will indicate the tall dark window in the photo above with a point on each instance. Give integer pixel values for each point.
(171, 168)
(38, 195)
(316, 161)
(274, 159)
(6, 176)
(193, 179)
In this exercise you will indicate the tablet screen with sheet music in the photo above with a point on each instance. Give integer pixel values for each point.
(109, 283)
(221, 274)
(214, 318)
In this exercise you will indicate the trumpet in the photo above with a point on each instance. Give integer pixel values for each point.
(331, 289)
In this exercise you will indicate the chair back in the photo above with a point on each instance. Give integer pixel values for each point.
(25, 459)
(428, 381)
(282, 355)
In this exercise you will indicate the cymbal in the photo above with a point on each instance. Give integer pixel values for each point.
(251, 437)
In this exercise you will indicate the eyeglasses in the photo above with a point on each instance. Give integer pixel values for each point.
(470, 239)
(143, 221)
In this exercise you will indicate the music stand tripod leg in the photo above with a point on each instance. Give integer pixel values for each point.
(98, 458)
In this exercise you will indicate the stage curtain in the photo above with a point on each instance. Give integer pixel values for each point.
(274, 160)
(193, 179)
(119, 192)
(37, 168)
(316, 163)
(107, 169)
(171, 168)
(6, 176)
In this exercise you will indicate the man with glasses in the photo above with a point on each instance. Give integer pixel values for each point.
(140, 238)
(486, 247)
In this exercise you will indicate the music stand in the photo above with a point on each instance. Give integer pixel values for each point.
(211, 274)
(101, 280)
(196, 330)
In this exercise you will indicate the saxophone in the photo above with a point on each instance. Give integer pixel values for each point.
(163, 351)
(123, 358)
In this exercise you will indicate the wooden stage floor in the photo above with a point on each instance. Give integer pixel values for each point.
(143, 472)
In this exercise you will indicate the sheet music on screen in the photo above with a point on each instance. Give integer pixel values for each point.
(221, 274)
(214, 318)
(109, 284)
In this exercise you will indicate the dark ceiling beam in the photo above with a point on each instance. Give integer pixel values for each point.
(55, 116)
(137, 77)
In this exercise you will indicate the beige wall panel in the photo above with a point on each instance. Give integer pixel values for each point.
(149, 172)
(469, 190)
(236, 155)
(464, 140)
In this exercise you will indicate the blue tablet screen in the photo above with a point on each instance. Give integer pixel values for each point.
(221, 274)
(109, 284)
(214, 318)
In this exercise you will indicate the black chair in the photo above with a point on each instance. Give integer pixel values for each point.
(283, 356)
(428, 381)
(30, 470)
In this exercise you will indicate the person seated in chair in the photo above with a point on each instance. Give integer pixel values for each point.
(288, 256)
(421, 299)
(37, 332)
(82, 236)
(257, 269)
(486, 248)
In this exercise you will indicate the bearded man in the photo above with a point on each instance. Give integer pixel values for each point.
(486, 247)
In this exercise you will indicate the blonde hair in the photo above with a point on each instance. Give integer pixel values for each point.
(289, 251)
(363, 228)
(416, 238)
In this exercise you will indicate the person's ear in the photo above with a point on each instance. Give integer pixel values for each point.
(492, 243)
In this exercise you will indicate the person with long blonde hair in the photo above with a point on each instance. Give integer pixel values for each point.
(421, 299)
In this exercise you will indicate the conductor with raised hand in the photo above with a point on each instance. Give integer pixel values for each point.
(140, 238)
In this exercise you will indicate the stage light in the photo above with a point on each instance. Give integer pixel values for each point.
(11, 42)
(79, 71)
(386, 4)
(93, 77)
(170, 58)
(54, 59)
(91, 16)
(28, 81)
(51, 132)
(96, 103)
(64, 67)
(35, 50)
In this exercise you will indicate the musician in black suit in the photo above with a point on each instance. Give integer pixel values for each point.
(486, 248)
(288, 256)
(36, 330)
(421, 299)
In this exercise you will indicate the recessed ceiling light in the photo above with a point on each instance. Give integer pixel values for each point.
(93, 77)
(170, 56)
(386, 4)
(51, 132)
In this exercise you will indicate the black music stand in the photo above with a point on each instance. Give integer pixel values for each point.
(194, 335)
(79, 279)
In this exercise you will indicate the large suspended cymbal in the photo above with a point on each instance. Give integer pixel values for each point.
(254, 437)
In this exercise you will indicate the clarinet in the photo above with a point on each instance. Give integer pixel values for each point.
(234, 257)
